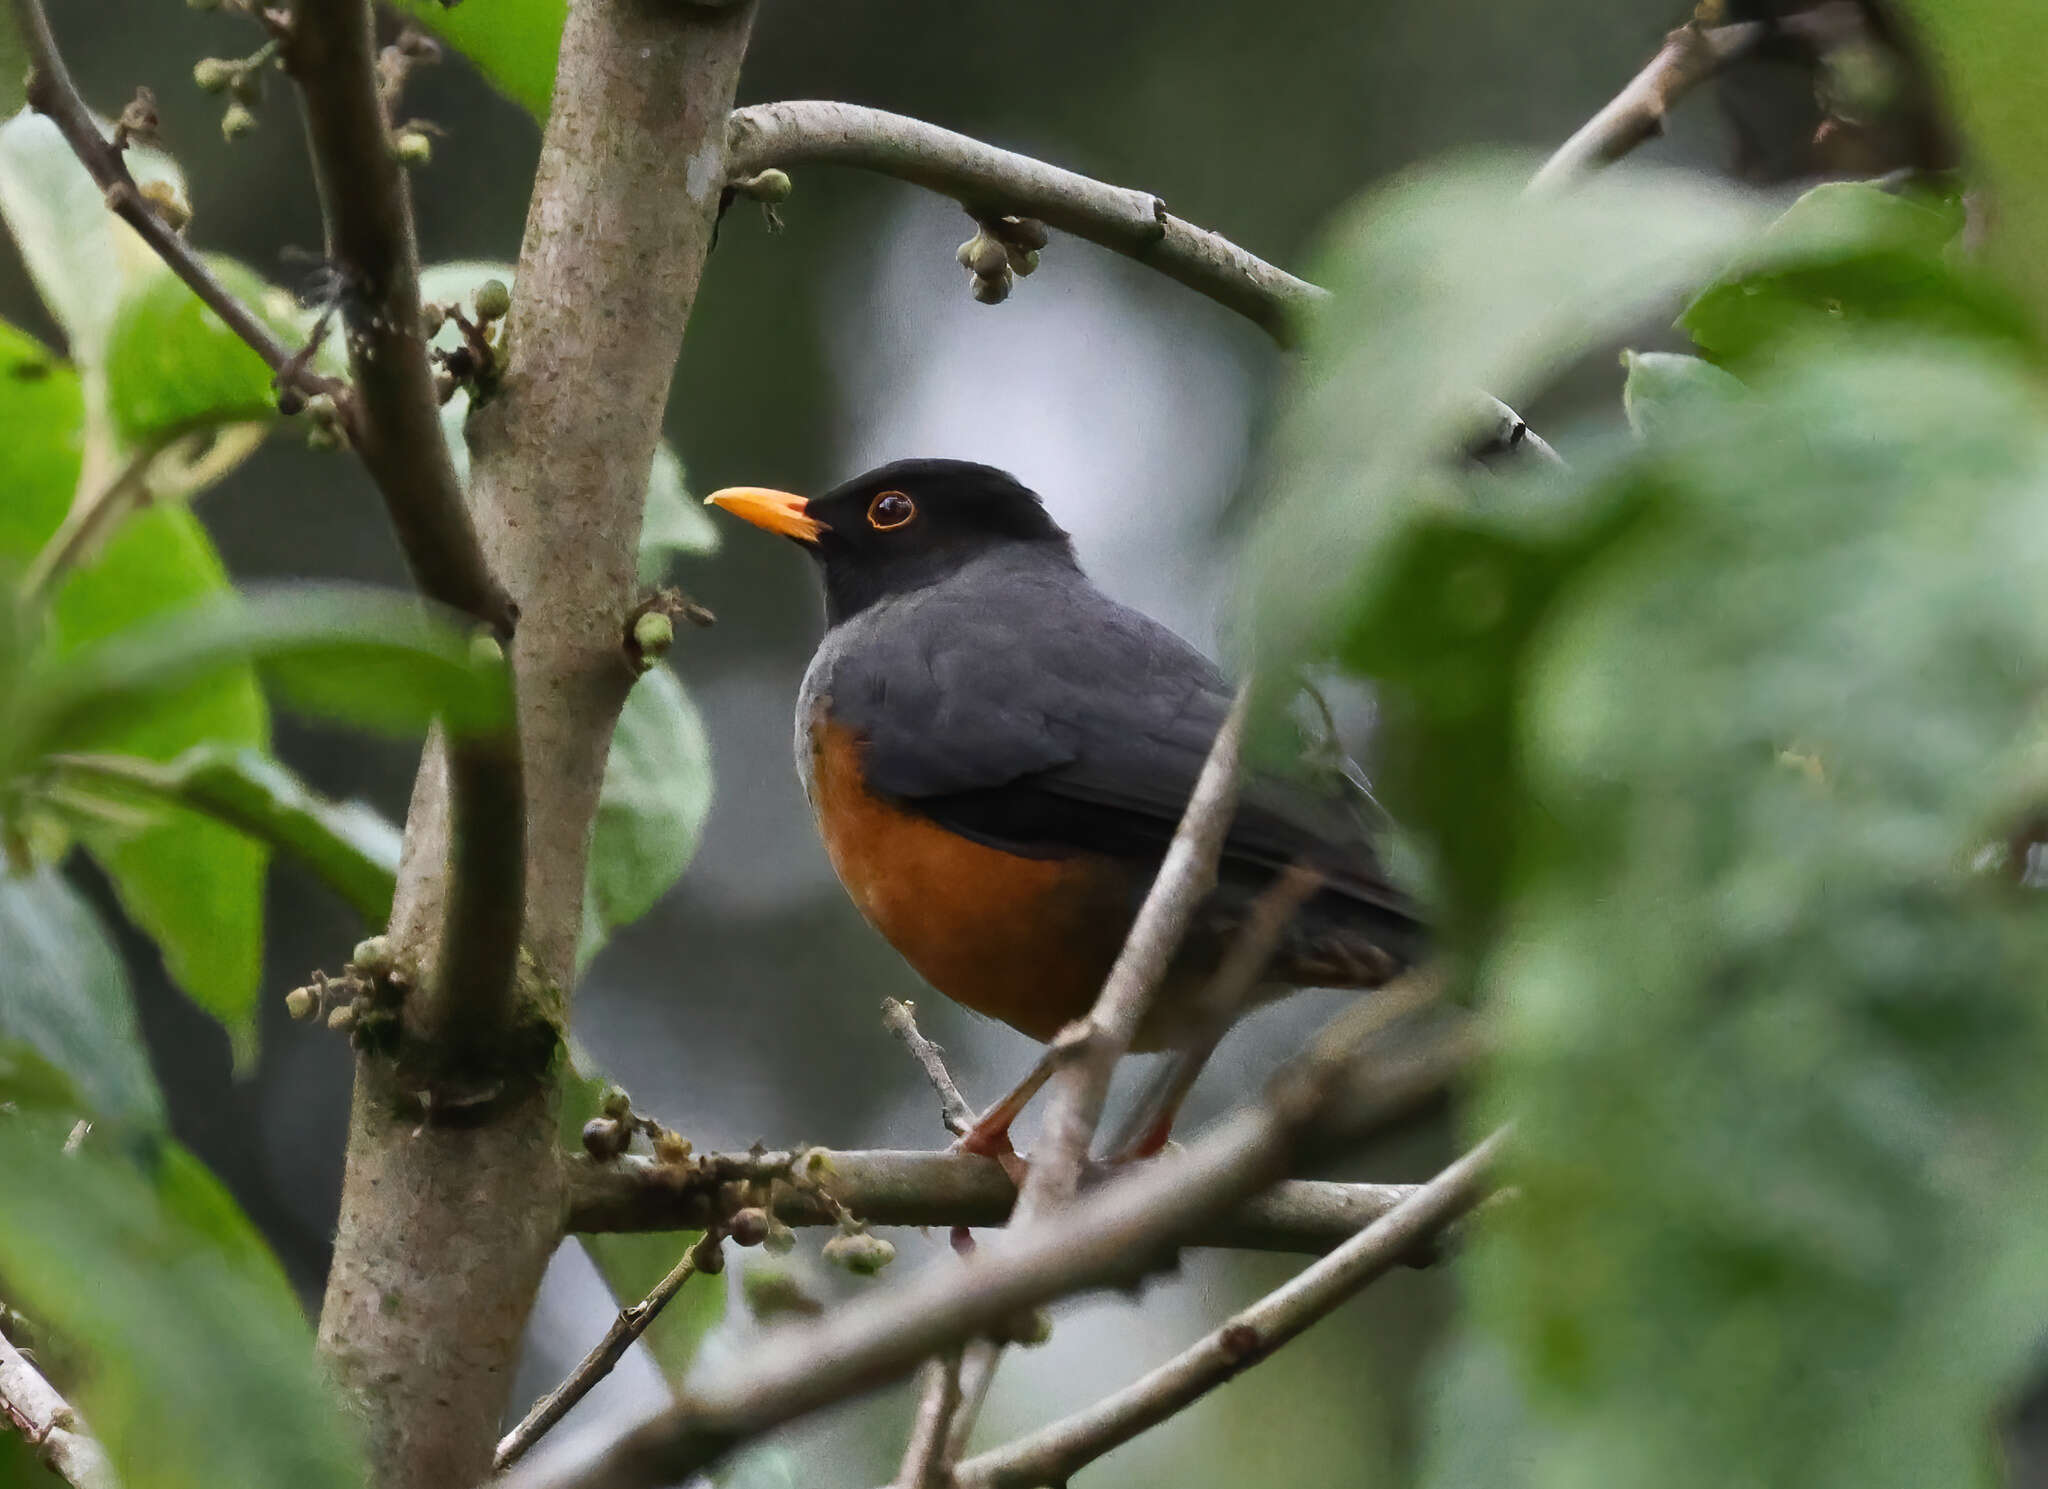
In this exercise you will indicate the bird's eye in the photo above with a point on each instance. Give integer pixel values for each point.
(890, 509)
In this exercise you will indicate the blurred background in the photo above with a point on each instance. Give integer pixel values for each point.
(745, 1006)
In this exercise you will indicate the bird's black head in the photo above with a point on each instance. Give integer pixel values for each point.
(901, 526)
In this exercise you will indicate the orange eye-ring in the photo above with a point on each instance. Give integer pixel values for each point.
(890, 509)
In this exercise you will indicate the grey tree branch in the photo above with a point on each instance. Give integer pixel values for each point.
(52, 93)
(991, 182)
(1056, 1452)
(32, 1406)
(1689, 57)
(1110, 1235)
(900, 1019)
(937, 1189)
(458, 1212)
(924, 1457)
(628, 1326)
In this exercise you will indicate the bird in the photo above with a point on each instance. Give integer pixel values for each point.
(997, 755)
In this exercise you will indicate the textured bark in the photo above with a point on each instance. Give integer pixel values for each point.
(453, 1197)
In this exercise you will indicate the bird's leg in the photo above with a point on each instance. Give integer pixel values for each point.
(1152, 1119)
(989, 1137)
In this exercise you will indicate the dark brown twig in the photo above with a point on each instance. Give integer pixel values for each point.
(630, 1324)
(52, 93)
(1054, 1453)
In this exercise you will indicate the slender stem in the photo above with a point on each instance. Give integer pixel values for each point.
(1186, 874)
(630, 1324)
(90, 519)
(1056, 1452)
(1111, 1235)
(925, 1458)
(51, 92)
(900, 1019)
(992, 182)
(33, 1407)
(977, 1373)
(1689, 57)
(941, 1189)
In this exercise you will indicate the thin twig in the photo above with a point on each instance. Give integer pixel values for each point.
(1111, 1235)
(628, 1326)
(940, 1189)
(33, 1407)
(91, 517)
(990, 182)
(1689, 57)
(52, 93)
(1186, 874)
(395, 419)
(1056, 1452)
(395, 425)
(900, 1019)
(977, 1373)
(925, 1458)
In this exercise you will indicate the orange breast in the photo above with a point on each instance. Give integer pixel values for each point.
(1024, 940)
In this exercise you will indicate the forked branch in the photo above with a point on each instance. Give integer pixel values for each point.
(32, 1406)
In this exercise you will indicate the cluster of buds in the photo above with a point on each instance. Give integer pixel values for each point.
(476, 361)
(610, 1133)
(362, 1002)
(241, 79)
(1002, 250)
(770, 188)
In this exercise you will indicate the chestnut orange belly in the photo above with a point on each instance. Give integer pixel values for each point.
(1025, 940)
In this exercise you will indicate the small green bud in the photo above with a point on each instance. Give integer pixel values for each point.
(214, 74)
(992, 289)
(780, 1240)
(412, 148)
(301, 1003)
(989, 257)
(432, 319)
(770, 186)
(493, 299)
(1030, 1328)
(343, 1018)
(860, 1253)
(965, 252)
(236, 122)
(374, 956)
(616, 1104)
(653, 634)
(1025, 232)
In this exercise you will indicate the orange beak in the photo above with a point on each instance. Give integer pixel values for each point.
(776, 511)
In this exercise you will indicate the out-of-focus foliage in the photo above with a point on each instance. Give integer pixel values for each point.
(1717, 740)
(513, 44)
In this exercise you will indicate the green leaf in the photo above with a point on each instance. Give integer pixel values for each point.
(173, 365)
(1663, 388)
(80, 255)
(372, 658)
(349, 845)
(650, 814)
(1442, 284)
(671, 523)
(632, 1263)
(67, 998)
(1846, 256)
(192, 885)
(203, 1371)
(512, 42)
(1758, 695)
(1987, 52)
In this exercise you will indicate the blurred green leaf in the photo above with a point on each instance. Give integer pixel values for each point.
(349, 845)
(173, 365)
(650, 814)
(192, 885)
(1846, 256)
(1988, 53)
(1442, 284)
(671, 523)
(1760, 693)
(80, 255)
(512, 42)
(631, 1264)
(203, 1371)
(372, 658)
(13, 89)
(1662, 388)
(66, 998)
